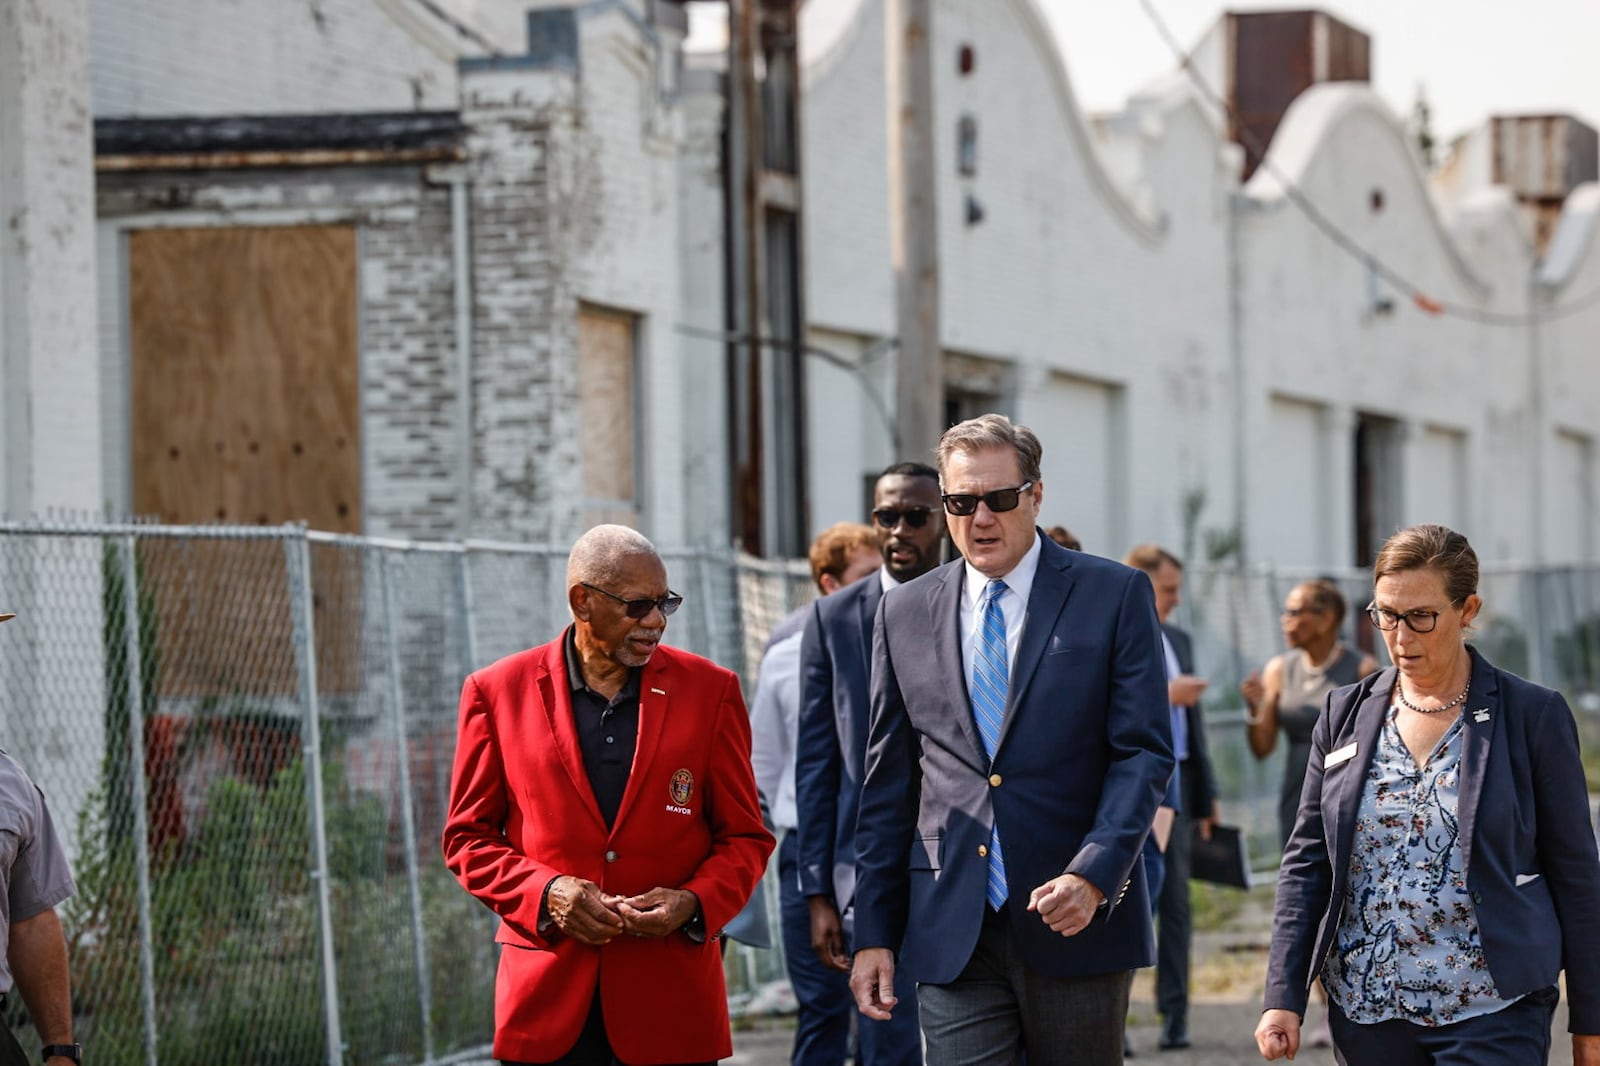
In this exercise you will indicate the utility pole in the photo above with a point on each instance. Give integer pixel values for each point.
(746, 279)
(766, 289)
(914, 227)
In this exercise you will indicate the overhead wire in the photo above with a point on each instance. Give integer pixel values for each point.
(1341, 239)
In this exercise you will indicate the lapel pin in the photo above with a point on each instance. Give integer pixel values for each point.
(658, 691)
(1481, 714)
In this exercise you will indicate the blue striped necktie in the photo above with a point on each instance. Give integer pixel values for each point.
(989, 685)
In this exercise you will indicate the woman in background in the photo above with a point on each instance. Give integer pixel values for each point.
(1288, 693)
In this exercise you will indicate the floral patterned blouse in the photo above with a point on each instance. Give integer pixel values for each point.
(1407, 946)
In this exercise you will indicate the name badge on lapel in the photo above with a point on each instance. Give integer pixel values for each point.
(1339, 755)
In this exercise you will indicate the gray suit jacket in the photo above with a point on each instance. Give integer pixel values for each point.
(1084, 756)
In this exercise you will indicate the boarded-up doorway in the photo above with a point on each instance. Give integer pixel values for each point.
(245, 409)
(608, 410)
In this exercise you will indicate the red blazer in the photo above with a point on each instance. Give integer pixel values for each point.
(522, 813)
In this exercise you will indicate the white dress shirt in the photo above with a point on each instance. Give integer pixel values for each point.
(1013, 603)
(775, 729)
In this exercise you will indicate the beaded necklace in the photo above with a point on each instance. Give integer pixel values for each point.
(1400, 691)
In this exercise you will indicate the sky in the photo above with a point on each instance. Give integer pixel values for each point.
(1473, 58)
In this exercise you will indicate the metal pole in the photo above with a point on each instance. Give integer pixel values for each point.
(1236, 363)
(914, 227)
(297, 551)
(408, 825)
(746, 231)
(461, 255)
(708, 606)
(469, 626)
(786, 590)
(469, 629)
(141, 820)
(1539, 411)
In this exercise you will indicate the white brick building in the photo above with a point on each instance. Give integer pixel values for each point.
(575, 207)
(1205, 366)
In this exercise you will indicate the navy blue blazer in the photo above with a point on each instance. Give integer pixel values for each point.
(1528, 848)
(831, 752)
(1084, 756)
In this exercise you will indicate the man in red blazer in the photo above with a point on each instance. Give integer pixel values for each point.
(603, 805)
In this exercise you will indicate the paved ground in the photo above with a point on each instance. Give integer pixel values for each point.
(1229, 970)
(1220, 1033)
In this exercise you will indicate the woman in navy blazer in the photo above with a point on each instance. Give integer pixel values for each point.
(1442, 870)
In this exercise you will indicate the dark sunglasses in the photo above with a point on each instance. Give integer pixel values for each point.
(889, 517)
(997, 500)
(641, 608)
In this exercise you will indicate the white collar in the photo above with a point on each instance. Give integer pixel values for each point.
(1019, 579)
(885, 579)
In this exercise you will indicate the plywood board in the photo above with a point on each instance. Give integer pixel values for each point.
(245, 409)
(607, 415)
(245, 375)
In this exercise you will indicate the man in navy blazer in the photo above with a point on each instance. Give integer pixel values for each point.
(831, 752)
(1197, 791)
(1018, 748)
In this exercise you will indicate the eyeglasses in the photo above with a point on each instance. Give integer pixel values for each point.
(1418, 621)
(1296, 612)
(641, 608)
(997, 500)
(889, 517)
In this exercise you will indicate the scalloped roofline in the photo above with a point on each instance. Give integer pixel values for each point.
(1146, 225)
(1310, 124)
(1481, 209)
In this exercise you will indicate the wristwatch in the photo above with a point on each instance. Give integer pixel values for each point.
(63, 1051)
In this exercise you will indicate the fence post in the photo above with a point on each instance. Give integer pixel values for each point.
(469, 643)
(141, 817)
(469, 627)
(297, 550)
(787, 590)
(1539, 658)
(708, 607)
(1589, 633)
(408, 825)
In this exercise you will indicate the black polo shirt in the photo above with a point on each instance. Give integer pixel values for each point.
(608, 731)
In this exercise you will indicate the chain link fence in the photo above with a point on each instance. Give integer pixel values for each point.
(1542, 623)
(246, 736)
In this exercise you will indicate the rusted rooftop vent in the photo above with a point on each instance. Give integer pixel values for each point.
(1542, 158)
(1272, 57)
